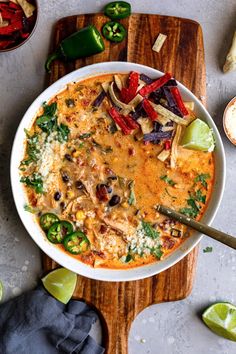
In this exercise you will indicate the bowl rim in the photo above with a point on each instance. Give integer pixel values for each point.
(31, 33)
(36, 234)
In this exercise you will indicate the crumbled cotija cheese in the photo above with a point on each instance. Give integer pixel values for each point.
(51, 153)
(140, 243)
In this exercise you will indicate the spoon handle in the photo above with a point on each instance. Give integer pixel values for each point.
(202, 228)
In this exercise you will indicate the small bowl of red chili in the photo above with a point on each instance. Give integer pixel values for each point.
(18, 19)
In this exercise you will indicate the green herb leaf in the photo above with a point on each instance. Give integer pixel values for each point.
(132, 198)
(32, 149)
(168, 180)
(149, 230)
(200, 197)
(208, 249)
(157, 252)
(35, 181)
(202, 178)
(188, 212)
(47, 122)
(30, 209)
(63, 132)
(128, 258)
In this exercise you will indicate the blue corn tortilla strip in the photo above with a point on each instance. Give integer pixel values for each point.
(98, 101)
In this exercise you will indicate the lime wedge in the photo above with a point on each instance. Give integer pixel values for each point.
(60, 283)
(221, 319)
(1, 290)
(198, 136)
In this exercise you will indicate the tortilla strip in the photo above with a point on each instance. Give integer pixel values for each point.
(26, 7)
(3, 23)
(169, 115)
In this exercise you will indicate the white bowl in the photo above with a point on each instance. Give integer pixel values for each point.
(28, 219)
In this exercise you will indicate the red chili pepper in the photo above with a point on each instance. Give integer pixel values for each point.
(167, 145)
(5, 44)
(12, 15)
(178, 99)
(24, 35)
(127, 94)
(12, 5)
(152, 114)
(8, 30)
(155, 85)
(130, 122)
(118, 118)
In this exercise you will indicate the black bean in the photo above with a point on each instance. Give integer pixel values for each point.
(68, 157)
(57, 196)
(114, 200)
(109, 189)
(70, 102)
(79, 185)
(65, 177)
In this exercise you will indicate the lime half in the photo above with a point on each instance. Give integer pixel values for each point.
(1, 290)
(198, 136)
(60, 283)
(221, 319)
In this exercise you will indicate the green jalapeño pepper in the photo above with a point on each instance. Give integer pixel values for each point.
(46, 220)
(59, 230)
(85, 42)
(76, 242)
(117, 10)
(114, 31)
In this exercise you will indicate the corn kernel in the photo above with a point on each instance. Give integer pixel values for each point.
(125, 205)
(76, 153)
(70, 194)
(115, 159)
(80, 216)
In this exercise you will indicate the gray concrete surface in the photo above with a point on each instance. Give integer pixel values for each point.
(170, 328)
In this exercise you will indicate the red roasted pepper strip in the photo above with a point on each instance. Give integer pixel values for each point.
(152, 114)
(146, 90)
(11, 15)
(130, 122)
(5, 44)
(12, 5)
(127, 94)
(8, 30)
(178, 99)
(167, 144)
(118, 118)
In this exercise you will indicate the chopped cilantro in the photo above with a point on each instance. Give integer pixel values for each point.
(30, 209)
(132, 199)
(128, 258)
(202, 178)
(31, 148)
(149, 230)
(200, 197)
(34, 181)
(207, 249)
(168, 180)
(157, 252)
(47, 122)
(63, 132)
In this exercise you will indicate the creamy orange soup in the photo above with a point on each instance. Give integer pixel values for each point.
(80, 166)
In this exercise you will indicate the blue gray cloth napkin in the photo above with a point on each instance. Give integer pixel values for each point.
(36, 323)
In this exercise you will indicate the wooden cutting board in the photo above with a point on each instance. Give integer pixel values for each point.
(182, 55)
